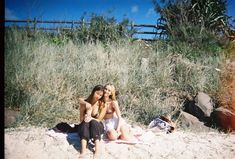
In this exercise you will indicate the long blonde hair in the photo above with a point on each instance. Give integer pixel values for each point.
(113, 91)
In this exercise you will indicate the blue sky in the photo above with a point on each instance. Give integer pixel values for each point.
(137, 11)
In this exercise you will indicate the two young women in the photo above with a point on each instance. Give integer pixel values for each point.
(101, 104)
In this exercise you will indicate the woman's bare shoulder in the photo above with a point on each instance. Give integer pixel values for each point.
(115, 102)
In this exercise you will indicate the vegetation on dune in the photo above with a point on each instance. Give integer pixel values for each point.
(44, 79)
(45, 73)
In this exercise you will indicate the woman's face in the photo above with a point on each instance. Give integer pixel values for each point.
(98, 95)
(107, 90)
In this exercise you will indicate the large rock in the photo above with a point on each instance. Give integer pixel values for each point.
(224, 119)
(204, 102)
(188, 121)
(201, 107)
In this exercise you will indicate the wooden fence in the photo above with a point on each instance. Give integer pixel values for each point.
(158, 32)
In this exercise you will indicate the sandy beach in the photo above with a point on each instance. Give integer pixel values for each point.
(40, 143)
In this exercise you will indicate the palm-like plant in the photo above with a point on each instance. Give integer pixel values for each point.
(210, 13)
(183, 15)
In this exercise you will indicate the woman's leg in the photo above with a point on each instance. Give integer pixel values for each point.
(125, 133)
(83, 146)
(97, 152)
(112, 134)
(111, 126)
(84, 135)
(96, 130)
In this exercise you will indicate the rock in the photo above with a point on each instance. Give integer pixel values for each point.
(189, 121)
(224, 119)
(201, 107)
(204, 102)
(10, 117)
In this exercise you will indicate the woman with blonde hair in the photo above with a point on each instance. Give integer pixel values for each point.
(115, 126)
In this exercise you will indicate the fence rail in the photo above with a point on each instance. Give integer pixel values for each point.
(34, 21)
(71, 22)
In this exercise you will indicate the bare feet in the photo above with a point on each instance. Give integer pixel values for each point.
(97, 152)
(83, 149)
(82, 156)
(85, 155)
(96, 156)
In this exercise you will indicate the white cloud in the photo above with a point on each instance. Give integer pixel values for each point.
(150, 12)
(134, 9)
(9, 14)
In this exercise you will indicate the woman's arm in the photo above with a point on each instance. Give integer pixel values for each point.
(82, 111)
(83, 102)
(84, 107)
(118, 113)
(102, 113)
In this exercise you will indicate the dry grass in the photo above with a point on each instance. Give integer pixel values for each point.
(44, 79)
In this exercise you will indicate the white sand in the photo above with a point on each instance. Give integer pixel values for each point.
(35, 143)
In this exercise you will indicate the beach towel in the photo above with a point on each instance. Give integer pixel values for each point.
(140, 137)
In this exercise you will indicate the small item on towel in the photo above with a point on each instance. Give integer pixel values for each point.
(162, 125)
(55, 134)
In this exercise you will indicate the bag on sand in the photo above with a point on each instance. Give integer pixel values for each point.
(162, 123)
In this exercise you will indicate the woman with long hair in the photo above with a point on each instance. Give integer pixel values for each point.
(92, 112)
(115, 127)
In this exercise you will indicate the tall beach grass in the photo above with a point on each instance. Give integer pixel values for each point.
(44, 79)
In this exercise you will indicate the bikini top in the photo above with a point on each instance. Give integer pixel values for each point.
(92, 114)
(110, 109)
(96, 115)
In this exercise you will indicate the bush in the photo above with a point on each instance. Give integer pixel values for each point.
(100, 28)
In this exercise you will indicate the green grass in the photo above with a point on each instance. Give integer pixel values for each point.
(43, 78)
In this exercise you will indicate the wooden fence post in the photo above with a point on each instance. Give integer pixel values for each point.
(35, 24)
(72, 25)
(132, 28)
